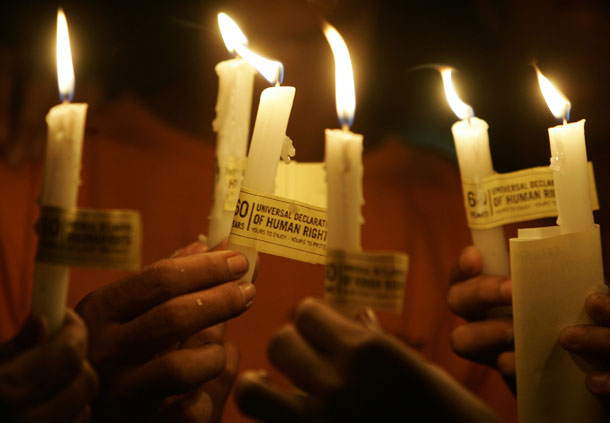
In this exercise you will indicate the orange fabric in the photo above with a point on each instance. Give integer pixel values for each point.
(132, 160)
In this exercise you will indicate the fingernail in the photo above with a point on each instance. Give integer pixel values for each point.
(597, 380)
(238, 264)
(203, 239)
(570, 337)
(248, 291)
(506, 289)
(369, 318)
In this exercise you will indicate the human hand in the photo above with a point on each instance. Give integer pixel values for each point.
(46, 378)
(346, 371)
(147, 334)
(482, 338)
(592, 342)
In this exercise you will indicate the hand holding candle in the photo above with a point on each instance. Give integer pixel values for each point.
(61, 177)
(474, 159)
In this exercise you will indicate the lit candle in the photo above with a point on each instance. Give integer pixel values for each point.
(569, 163)
(61, 177)
(269, 135)
(474, 159)
(232, 125)
(343, 156)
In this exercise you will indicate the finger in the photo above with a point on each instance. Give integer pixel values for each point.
(69, 403)
(220, 388)
(164, 280)
(507, 367)
(468, 264)
(325, 329)
(598, 308)
(588, 340)
(256, 398)
(298, 361)
(184, 316)
(33, 332)
(196, 247)
(38, 373)
(215, 334)
(195, 407)
(599, 383)
(473, 298)
(173, 373)
(483, 341)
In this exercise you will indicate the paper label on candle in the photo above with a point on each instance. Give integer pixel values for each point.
(304, 182)
(366, 279)
(231, 172)
(280, 226)
(89, 238)
(514, 197)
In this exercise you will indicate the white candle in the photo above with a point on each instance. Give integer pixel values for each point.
(269, 133)
(343, 157)
(569, 164)
(474, 159)
(232, 125)
(61, 178)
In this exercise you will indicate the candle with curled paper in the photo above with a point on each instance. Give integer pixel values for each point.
(569, 163)
(232, 126)
(343, 157)
(61, 177)
(269, 140)
(474, 159)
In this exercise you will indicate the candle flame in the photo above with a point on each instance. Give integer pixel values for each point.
(558, 104)
(461, 109)
(345, 93)
(65, 70)
(237, 43)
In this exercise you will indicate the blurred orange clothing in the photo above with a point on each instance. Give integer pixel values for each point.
(131, 159)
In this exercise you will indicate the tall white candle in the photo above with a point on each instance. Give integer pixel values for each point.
(232, 126)
(343, 156)
(569, 164)
(61, 178)
(269, 133)
(474, 159)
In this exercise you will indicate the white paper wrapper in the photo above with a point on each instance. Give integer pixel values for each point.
(552, 276)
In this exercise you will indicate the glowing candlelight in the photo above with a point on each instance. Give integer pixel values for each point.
(474, 159)
(61, 176)
(569, 163)
(343, 156)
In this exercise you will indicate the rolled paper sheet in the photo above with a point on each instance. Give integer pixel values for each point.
(552, 276)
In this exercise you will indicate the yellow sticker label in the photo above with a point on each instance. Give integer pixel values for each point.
(514, 197)
(89, 238)
(280, 226)
(366, 279)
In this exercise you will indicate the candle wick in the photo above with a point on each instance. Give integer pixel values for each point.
(565, 122)
(345, 126)
(277, 83)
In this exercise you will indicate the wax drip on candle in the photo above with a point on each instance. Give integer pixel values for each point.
(288, 150)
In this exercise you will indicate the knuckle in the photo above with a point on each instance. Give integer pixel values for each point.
(279, 342)
(305, 309)
(174, 315)
(200, 410)
(457, 339)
